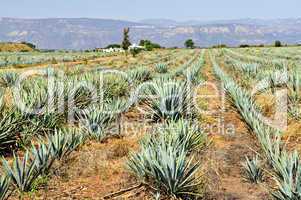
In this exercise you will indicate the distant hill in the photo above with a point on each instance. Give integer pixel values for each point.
(15, 47)
(86, 33)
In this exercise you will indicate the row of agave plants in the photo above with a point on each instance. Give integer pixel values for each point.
(168, 58)
(11, 59)
(37, 161)
(194, 61)
(144, 73)
(51, 141)
(251, 58)
(286, 75)
(163, 67)
(189, 70)
(289, 53)
(286, 168)
(18, 130)
(165, 160)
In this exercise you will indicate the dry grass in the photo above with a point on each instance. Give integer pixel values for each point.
(14, 47)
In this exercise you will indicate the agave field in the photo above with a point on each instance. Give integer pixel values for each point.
(167, 124)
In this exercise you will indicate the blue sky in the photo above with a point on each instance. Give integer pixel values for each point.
(144, 9)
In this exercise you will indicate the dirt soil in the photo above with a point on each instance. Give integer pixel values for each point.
(228, 150)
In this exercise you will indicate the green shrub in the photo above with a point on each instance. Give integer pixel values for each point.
(189, 43)
(244, 46)
(135, 51)
(113, 46)
(278, 43)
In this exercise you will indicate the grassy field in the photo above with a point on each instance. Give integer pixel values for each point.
(167, 124)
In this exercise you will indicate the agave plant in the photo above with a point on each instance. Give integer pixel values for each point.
(95, 121)
(33, 94)
(271, 146)
(288, 177)
(8, 79)
(166, 167)
(4, 184)
(161, 68)
(183, 135)
(78, 97)
(62, 143)
(43, 158)
(114, 86)
(169, 99)
(47, 121)
(10, 123)
(76, 138)
(23, 172)
(140, 74)
(254, 173)
(193, 74)
(294, 85)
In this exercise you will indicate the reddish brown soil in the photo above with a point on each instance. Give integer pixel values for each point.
(223, 159)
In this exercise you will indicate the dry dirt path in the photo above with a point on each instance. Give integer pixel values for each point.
(231, 142)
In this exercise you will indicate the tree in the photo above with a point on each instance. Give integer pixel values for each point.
(29, 44)
(135, 51)
(189, 43)
(244, 46)
(149, 46)
(278, 43)
(113, 46)
(126, 39)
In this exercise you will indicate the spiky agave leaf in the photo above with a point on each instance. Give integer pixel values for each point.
(169, 99)
(76, 138)
(161, 68)
(254, 173)
(288, 177)
(294, 85)
(43, 158)
(10, 124)
(193, 74)
(4, 185)
(184, 135)
(23, 172)
(62, 143)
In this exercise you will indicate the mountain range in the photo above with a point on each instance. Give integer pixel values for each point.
(85, 33)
